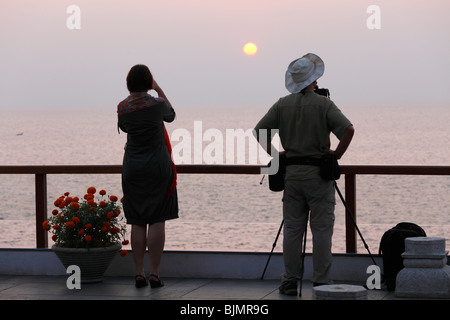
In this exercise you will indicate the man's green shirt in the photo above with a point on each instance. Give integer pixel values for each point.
(305, 122)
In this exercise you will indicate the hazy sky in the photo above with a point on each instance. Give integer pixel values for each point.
(194, 50)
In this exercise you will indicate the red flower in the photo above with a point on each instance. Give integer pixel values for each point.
(106, 226)
(68, 200)
(102, 192)
(91, 190)
(123, 253)
(75, 206)
(58, 202)
(45, 225)
(70, 224)
(88, 238)
(113, 198)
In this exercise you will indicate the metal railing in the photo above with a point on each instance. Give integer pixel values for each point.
(349, 172)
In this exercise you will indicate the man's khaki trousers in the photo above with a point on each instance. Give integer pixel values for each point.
(316, 198)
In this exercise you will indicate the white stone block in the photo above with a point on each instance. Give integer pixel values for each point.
(339, 292)
(425, 274)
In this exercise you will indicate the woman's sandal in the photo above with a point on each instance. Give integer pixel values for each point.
(156, 282)
(140, 281)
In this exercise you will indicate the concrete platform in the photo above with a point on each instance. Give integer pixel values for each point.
(122, 288)
(200, 278)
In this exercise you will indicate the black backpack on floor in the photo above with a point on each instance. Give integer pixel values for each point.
(392, 245)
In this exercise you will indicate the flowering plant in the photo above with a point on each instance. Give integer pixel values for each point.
(85, 223)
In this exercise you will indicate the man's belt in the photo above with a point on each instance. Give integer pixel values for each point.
(307, 161)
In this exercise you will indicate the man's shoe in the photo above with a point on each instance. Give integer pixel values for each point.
(288, 288)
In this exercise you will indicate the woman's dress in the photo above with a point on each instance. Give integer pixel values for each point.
(148, 172)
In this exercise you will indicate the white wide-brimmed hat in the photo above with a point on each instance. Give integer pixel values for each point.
(303, 71)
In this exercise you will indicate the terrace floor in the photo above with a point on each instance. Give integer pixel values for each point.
(122, 288)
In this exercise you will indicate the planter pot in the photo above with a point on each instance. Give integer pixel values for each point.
(93, 262)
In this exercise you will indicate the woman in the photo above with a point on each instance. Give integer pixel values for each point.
(148, 174)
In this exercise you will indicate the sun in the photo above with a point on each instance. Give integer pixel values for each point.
(250, 49)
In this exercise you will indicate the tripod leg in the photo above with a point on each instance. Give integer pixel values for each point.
(273, 247)
(347, 209)
(303, 258)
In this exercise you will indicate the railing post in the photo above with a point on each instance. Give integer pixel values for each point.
(41, 210)
(350, 198)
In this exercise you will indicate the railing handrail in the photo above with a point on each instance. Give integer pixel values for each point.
(116, 169)
(225, 169)
(349, 171)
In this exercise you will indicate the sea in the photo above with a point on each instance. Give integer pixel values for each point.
(230, 212)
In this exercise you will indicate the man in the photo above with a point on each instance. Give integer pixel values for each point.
(304, 121)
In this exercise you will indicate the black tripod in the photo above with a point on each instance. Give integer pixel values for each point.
(348, 211)
(273, 247)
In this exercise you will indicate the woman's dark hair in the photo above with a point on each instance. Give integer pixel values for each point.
(139, 79)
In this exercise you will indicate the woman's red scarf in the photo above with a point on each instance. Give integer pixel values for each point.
(173, 185)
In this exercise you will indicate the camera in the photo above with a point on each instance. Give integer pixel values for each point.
(322, 91)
